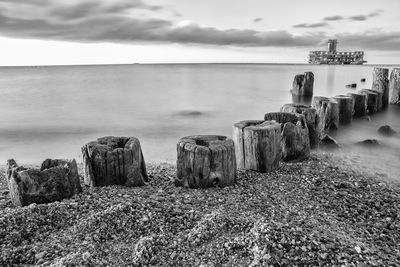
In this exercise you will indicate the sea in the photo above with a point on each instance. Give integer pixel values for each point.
(52, 111)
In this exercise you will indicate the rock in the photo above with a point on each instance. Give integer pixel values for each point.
(369, 143)
(312, 120)
(295, 142)
(114, 161)
(56, 180)
(346, 108)
(360, 104)
(257, 145)
(352, 85)
(328, 113)
(394, 86)
(386, 130)
(380, 83)
(303, 84)
(328, 142)
(205, 160)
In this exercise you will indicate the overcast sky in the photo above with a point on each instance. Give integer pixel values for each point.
(37, 32)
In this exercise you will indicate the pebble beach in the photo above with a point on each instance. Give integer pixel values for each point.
(317, 212)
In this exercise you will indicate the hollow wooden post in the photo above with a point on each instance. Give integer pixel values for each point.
(328, 113)
(394, 86)
(114, 161)
(372, 100)
(380, 83)
(360, 104)
(303, 84)
(312, 120)
(205, 160)
(257, 145)
(346, 108)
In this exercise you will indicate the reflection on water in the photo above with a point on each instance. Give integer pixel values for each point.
(301, 100)
(53, 111)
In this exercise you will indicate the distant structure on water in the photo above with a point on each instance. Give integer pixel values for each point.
(332, 56)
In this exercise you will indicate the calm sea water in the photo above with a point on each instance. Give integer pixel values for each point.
(53, 111)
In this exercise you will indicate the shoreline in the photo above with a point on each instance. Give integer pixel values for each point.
(314, 212)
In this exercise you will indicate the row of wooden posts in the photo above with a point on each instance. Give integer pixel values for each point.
(209, 160)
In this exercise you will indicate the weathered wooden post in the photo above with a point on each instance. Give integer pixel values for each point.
(394, 86)
(346, 108)
(380, 83)
(205, 160)
(295, 142)
(114, 161)
(328, 113)
(56, 180)
(312, 120)
(360, 104)
(303, 84)
(257, 145)
(372, 100)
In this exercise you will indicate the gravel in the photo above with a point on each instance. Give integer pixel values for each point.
(308, 213)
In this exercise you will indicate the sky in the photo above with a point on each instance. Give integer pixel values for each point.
(60, 32)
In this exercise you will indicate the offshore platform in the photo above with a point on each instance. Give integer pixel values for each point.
(332, 56)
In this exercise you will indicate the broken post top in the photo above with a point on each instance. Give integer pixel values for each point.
(206, 140)
(284, 117)
(111, 142)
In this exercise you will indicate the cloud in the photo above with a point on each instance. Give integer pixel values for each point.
(311, 25)
(361, 17)
(358, 18)
(257, 20)
(370, 40)
(334, 18)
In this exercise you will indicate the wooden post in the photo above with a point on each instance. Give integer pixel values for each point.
(114, 161)
(295, 142)
(360, 104)
(312, 120)
(372, 100)
(380, 83)
(303, 84)
(258, 145)
(205, 160)
(394, 86)
(346, 108)
(328, 113)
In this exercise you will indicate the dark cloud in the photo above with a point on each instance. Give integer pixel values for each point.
(358, 18)
(370, 40)
(311, 25)
(334, 18)
(257, 20)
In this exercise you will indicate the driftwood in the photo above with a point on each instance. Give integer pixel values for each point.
(394, 86)
(372, 100)
(56, 180)
(257, 145)
(380, 83)
(295, 142)
(360, 104)
(328, 113)
(312, 120)
(205, 160)
(114, 161)
(303, 84)
(346, 108)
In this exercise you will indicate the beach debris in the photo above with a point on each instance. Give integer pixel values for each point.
(380, 83)
(360, 104)
(303, 84)
(328, 113)
(55, 180)
(328, 142)
(394, 86)
(295, 141)
(205, 161)
(352, 85)
(312, 120)
(114, 161)
(257, 145)
(372, 100)
(346, 108)
(369, 143)
(386, 130)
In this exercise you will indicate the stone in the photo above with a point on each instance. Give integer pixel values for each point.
(394, 86)
(114, 161)
(257, 145)
(328, 142)
(363, 80)
(295, 141)
(380, 83)
(346, 108)
(56, 180)
(205, 161)
(303, 84)
(328, 113)
(369, 143)
(312, 120)
(386, 130)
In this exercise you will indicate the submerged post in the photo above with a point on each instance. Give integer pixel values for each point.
(394, 86)
(346, 108)
(372, 100)
(303, 84)
(360, 104)
(380, 83)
